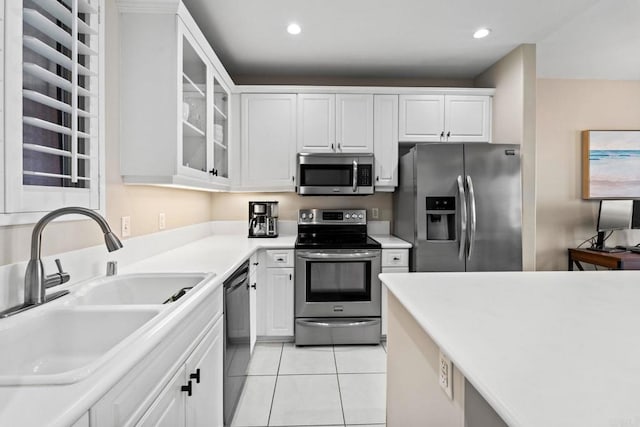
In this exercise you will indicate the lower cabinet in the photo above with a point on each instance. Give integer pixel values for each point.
(393, 261)
(253, 294)
(193, 397)
(275, 287)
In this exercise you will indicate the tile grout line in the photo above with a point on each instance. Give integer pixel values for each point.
(273, 395)
(335, 361)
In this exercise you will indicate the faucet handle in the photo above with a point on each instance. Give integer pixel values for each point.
(58, 278)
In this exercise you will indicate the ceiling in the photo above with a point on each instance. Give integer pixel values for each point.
(431, 39)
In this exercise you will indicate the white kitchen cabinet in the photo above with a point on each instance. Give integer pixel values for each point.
(253, 291)
(168, 409)
(445, 118)
(193, 397)
(393, 261)
(279, 302)
(329, 123)
(385, 141)
(174, 109)
(268, 134)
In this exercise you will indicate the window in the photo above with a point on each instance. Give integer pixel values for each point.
(53, 99)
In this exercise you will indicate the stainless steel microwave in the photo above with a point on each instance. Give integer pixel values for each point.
(335, 174)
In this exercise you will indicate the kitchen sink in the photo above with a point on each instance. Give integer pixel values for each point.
(138, 289)
(63, 345)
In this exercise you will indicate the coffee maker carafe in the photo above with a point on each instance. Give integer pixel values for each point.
(263, 219)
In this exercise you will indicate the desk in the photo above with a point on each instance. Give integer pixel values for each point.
(612, 261)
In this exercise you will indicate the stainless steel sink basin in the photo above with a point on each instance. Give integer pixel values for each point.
(60, 346)
(137, 288)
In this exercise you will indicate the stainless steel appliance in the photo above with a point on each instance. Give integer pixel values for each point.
(460, 207)
(237, 351)
(337, 290)
(263, 219)
(335, 174)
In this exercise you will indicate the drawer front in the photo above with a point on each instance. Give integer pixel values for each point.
(395, 258)
(280, 258)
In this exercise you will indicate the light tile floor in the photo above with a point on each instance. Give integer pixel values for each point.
(314, 386)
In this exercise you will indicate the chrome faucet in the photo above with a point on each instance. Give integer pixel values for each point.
(35, 281)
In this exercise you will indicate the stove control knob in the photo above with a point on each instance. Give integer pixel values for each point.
(361, 216)
(310, 216)
(347, 216)
(303, 216)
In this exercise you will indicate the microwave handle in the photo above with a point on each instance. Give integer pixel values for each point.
(355, 176)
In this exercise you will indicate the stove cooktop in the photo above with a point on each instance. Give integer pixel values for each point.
(336, 241)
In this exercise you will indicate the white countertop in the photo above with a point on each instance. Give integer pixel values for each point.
(63, 404)
(391, 242)
(542, 348)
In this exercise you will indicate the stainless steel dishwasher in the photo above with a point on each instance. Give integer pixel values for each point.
(237, 350)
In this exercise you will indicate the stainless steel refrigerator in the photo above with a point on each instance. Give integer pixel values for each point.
(460, 206)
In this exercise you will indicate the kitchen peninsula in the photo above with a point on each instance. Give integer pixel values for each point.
(528, 349)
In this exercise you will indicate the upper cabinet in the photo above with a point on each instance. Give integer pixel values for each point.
(385, 137)
(329, 123)
(445, 118)
(268, 134)
(174, 110)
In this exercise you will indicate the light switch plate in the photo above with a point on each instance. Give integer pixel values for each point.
(445, 375)
(375, 213)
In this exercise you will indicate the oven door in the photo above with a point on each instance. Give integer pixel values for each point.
(337, 283)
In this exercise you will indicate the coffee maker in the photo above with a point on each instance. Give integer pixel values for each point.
(263, 219)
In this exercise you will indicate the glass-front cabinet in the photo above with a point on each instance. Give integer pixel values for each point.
(175, 102)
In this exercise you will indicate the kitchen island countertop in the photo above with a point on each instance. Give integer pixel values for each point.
(542, 348)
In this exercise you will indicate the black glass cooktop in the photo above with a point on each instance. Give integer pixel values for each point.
(335, 241)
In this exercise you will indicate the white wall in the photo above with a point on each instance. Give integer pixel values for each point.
(564, 109)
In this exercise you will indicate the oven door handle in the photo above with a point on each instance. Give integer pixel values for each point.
(346, 256)
(336, 323)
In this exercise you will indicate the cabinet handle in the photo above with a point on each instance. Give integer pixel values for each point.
(395, 258)
(254, 286)
(442, 134)
(187, 388)
(280, 259)
(339, 146)
(290, 277)
(196, 376)
(332, 147)
(377, 178)
(293, 179)
(214, 172)
(448, 134)
(256, 263)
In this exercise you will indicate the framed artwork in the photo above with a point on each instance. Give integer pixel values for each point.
(611, 164)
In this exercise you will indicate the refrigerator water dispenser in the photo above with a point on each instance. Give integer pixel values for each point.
(441, 216)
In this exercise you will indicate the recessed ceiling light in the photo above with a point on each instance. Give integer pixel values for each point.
(294, 28)
(481, 33)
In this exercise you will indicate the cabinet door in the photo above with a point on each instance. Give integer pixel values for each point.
(354, 123)
(384, 297)
(316, 123)
(220, 131)
(196, 115)
(385, 136)
(204, 370)
(467, 118)
(253, 282)
(279, 298)
(268, 136)
(168, 409)
(421, 118)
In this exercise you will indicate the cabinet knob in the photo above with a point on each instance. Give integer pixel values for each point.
(254, 286)
(195, 376)
(187, 388)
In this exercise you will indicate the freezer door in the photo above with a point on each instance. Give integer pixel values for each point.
(438, 167)
(492, 176)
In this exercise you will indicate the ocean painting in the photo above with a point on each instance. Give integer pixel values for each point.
(613, 164)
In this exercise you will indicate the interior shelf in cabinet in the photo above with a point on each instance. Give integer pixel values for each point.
(192, 85)
(220, 144)
(191, 130)
(219, 111)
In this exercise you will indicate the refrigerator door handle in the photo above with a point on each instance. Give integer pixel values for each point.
(472, 214)
(463, 218)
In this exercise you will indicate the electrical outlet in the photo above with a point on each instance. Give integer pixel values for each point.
(375, 213)
(125, 226)
(445, 375)
(162, 221)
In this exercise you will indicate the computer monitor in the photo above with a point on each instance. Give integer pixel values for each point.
(635, 219)
(612, 215)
